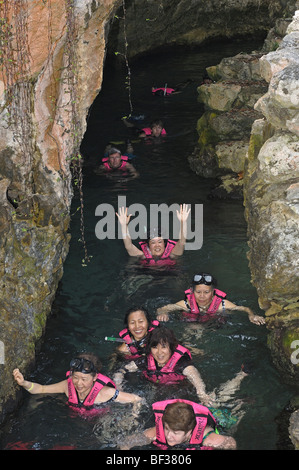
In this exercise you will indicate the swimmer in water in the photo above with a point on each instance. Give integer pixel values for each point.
(116, 162)
(155, 251)
(166, 91)
(155, 131)
(181, 424)
(85, 386)
(204, 301)
(167, 362)
(138, 325)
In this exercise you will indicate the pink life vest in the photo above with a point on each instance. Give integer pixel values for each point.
(195, 313)
(167, 373)
(148, 131)
(166, 91)
(124, 161)
(163, 260)
(88, 402)
(135, 348)
(203, 418)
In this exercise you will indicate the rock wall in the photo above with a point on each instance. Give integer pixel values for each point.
(271, 194)
(44, 104)
(248, 136)
(154, 24)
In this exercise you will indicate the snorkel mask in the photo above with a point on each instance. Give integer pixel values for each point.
(79, 364)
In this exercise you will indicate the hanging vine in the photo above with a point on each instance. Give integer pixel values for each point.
(15, 61)
(75, 124)
(125, 55)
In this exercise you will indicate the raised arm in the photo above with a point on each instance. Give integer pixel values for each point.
(124, 220)
(182, 215)
(35, 388)
(256, 319)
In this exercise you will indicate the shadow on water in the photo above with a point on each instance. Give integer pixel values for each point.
(91, 300)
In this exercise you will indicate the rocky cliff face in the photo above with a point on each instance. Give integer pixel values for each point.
(153, 24)
(272, 198)
(44, 105)
(52, 62)
(250, 132)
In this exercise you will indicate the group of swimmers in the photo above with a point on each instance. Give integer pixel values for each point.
(152, 348)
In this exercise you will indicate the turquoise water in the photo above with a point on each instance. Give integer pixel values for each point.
(92, 300)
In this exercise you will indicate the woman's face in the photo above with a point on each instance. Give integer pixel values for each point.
(157, 246)
(203, 294)
(161, 353)
(83, 383)
(138, 325)
(175, 437)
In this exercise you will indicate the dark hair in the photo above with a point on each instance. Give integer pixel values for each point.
(136, 309)
(92, 357)
(156, 122)
(179, 416)
(161, 335)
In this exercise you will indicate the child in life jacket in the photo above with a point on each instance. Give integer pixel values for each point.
(204, 301)
(84, 386)
(181, 424)
(155, 251)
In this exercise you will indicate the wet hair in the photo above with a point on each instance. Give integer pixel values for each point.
(155, 233)
(156, 122)
(179, 416)
(161, 335)
(113, 150)
(92, 357)
(136, 309)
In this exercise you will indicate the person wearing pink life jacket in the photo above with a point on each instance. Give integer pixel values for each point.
(167, 362)
(85, 386)
(204, 301)
(138, 324)
(181, 424)
(116, 162)
(155, 251)
(155, 130)
(162, 91)
(166, 91)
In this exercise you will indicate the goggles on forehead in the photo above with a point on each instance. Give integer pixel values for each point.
(203, 279)
(79, 364)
